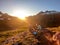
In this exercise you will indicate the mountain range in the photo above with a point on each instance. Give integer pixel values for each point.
(45, 19)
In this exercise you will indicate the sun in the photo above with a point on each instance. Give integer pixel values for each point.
(20, 13)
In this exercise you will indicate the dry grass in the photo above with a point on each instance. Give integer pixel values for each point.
(54, 29)
(22, 36)
(6, 34)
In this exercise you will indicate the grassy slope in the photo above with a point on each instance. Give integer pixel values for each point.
(6, 34)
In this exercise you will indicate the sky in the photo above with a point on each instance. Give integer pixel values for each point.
(34, 6)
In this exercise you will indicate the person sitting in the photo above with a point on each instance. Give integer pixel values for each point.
(39, 27)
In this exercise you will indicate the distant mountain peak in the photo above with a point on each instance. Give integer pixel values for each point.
(48, 12)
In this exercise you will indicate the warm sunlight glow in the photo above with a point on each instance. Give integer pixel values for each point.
(20, 13)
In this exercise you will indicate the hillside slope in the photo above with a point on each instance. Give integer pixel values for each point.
(45, 19)
(8, 22)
